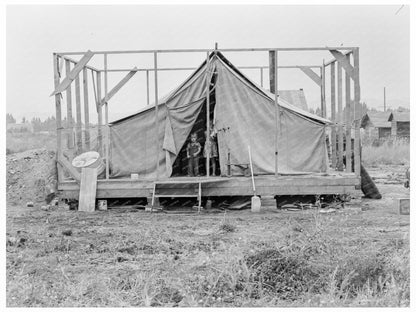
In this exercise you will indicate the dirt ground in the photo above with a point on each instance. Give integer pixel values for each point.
(355, 256)
(30, 176)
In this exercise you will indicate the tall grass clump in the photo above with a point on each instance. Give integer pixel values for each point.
(395, 152)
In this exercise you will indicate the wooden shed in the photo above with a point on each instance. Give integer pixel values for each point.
(400, 124)
(376, 125)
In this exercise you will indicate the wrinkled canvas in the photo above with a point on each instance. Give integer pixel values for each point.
(244, 115)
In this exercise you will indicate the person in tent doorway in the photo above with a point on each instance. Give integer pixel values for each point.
(211, 148)
(192, 152)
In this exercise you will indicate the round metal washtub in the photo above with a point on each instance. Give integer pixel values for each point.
(89, 160)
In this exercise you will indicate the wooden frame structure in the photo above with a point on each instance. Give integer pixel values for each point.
(341, 125)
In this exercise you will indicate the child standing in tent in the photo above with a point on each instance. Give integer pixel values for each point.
(211, 149)
(192, 152)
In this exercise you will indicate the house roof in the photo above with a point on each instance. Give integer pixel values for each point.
(400, 116)
(376, 119)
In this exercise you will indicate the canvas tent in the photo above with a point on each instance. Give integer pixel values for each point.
(242, 114)
(294, 97)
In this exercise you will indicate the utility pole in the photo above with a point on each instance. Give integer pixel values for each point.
(384, 98)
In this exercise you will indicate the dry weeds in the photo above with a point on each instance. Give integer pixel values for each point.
(133, 258)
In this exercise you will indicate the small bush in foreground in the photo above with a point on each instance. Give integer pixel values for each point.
(286, 275)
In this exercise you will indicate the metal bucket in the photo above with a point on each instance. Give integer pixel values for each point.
(89, 160)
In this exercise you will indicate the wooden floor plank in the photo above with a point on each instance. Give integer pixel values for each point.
(235, 186)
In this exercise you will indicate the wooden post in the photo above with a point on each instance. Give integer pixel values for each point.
(261, 77)
(100, 115)
(357, 82)
(69, 126)
(272, 58)
(348, 119)
(86, 110)
(207, 102)
(323, 104)
(333, 119)
(274, 61)
(58, 116)
(357, 149)
(107, 144)
(78, 113)
(156, 118)
(340, 121)
(147, 87)
(357, 141)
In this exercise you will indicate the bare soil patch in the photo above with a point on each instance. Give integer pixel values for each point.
(30, 176)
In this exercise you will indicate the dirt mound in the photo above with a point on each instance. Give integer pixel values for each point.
(31, 176)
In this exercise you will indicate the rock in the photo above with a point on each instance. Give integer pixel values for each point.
(121, 259)
(64, 206)
(67, 232)
(21, 241)
(29, 204)
(11, 241)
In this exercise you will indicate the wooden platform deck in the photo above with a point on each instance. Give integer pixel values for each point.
(333, 183)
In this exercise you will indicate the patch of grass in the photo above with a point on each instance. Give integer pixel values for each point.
(238, 259)
(280, 273)
(388, 153)
(226, 226)
(19, 142)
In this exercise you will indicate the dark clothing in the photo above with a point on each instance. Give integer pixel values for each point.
(193, 160)
(193, 163)
(192, 148)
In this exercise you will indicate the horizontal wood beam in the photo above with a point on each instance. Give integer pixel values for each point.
(194, 68)
(118, 86)
(210, 50)
(311, 74)
(235, 186)
(73, 73)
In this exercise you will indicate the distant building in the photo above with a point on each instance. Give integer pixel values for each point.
(400, 124)
(19, 127)
(376, 125)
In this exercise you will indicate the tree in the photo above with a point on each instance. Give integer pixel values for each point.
(403, 109)
(37, 124)
(10, 118)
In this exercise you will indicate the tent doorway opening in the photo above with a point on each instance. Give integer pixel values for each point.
(180, 166)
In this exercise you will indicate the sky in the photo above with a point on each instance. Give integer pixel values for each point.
(33, 33)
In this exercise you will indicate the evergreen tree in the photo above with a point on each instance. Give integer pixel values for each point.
(10, 118)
